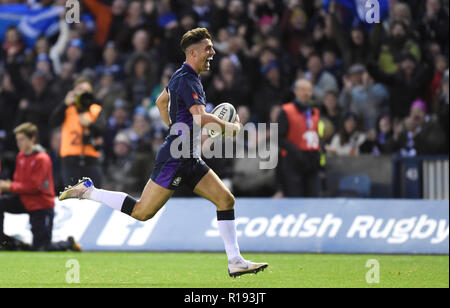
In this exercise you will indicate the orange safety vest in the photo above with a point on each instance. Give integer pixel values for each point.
(72, 132)
(303, 137)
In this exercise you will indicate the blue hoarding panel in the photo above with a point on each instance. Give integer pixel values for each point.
(290, 225)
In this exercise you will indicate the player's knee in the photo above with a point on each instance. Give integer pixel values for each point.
(227, 202)
(143, 215)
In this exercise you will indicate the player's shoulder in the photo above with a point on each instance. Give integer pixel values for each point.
(183, 81)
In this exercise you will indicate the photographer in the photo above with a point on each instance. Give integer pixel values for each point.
(82, 127)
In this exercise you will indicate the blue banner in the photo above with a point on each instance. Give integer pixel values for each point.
(31, 22)
(361, 11)
(263, 225)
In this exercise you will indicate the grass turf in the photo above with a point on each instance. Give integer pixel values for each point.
(208, 270)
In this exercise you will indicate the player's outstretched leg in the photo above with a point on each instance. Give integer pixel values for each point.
(152, 199)
(213, 189)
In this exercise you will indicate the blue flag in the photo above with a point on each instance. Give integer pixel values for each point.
(31, 22)
(361, 11)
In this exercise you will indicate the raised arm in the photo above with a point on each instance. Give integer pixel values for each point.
(57, 50)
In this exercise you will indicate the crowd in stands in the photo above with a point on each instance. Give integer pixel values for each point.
(381, 88)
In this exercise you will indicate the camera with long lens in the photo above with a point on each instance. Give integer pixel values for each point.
(94, 140)
(84, 100)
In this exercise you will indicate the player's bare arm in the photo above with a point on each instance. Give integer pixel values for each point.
(163, 106)
(202, 118)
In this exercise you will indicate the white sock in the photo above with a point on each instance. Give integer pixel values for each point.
(112, 199)
(227, 229)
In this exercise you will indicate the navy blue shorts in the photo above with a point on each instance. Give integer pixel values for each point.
(175, 173)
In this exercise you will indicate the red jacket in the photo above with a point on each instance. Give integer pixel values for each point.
(33, 181)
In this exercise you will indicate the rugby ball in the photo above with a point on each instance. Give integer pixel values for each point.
(225, 112)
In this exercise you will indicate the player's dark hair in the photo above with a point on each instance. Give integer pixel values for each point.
(28, 129)
(194, 36)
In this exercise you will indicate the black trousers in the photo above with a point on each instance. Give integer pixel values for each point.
(41, 224)
(299, 184)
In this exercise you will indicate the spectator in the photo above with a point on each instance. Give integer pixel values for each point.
(75, 54)
(63, 83)
(238, 21)
(349, 139)
(9, 102)
(31, 191)
(140, 132)
(398, 43)
(418, 134)
(248, 179)
(203, 10)
(134, 21)
(332, 64)
(411, 81)
(37, 103)
(141, 79)
(443, 103)
(294, 28)
(331, 111)
(129, 172)
(434, 23)
(142, 44)
(299, 141)
(252, 137)
(44, 64)
(354, 48)
(228, 85)
(401, 11)
(321, 37)
(271, 93)
(380, 141)
(440, 67)
(173, 32)
(364, 97)
(119, 120)
(108, 91)
(111, 62)
(108, 18)
(321, 79)
(13, 46)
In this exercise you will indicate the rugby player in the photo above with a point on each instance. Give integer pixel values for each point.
(183, 101)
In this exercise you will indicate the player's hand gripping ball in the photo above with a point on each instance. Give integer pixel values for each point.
(225, 112)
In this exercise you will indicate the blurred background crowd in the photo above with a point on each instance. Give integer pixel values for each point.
(381, 88)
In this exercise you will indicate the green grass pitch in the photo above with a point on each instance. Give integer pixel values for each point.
(208, 270)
